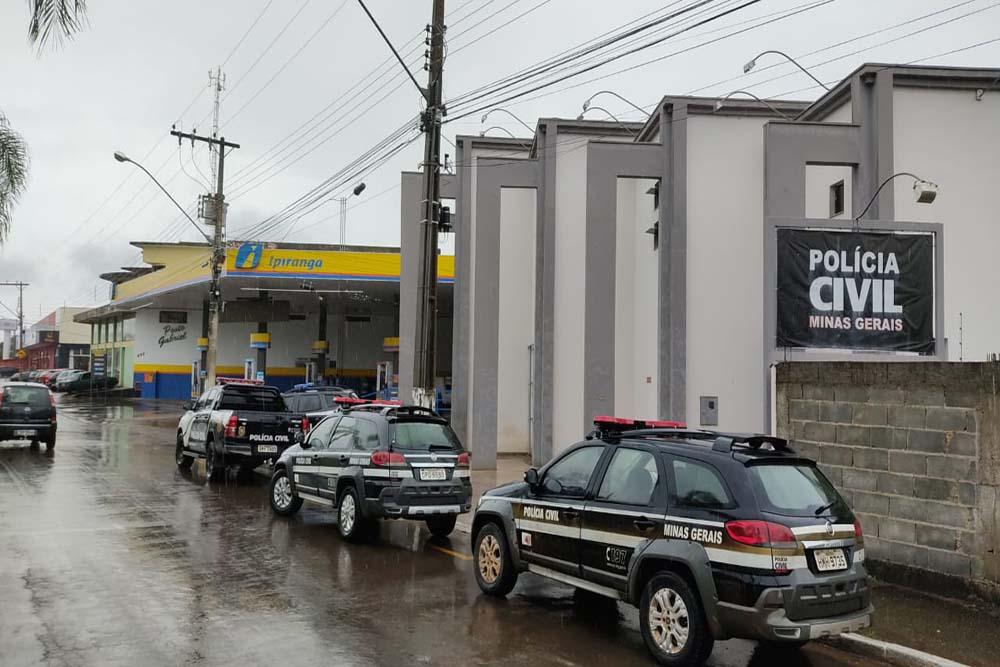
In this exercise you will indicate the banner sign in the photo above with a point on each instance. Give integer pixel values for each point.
(275, 261)
(855, 290)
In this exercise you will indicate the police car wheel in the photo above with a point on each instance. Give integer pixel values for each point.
(213, 466)
(352, 525)
(283, 501)
(672, 622)
(441, 526)
(183, 460)
(494, 569)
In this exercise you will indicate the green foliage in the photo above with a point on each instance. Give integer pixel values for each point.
(55, 20)
(13, 173)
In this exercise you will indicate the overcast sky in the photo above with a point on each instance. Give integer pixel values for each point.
(141, 66)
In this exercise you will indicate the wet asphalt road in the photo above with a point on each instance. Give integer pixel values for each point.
(110, 556)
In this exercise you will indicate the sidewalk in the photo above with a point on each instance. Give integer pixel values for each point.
(962, 631)
(509, 468)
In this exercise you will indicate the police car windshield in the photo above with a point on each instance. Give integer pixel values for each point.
(424, 436)
(794, 490)
(251, 399)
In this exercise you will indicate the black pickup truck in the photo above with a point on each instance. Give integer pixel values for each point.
(235, 423)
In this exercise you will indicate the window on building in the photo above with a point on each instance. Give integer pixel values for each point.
(173, 317)
(128, 329)
(837, 199)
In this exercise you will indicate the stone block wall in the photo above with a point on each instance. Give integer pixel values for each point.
(914, 448)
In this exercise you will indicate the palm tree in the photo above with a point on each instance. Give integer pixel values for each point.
(51, 21)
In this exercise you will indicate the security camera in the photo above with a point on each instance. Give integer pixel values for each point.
(924, 192)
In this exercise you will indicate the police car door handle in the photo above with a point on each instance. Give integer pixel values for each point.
(644, 524)
(570, 514)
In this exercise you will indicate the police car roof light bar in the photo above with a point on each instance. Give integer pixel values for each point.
(348, 400)
(221, 381)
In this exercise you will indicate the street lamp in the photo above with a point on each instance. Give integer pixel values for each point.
(753, 63)
(121, 157)
(487, 115)
(482, 133)
(924, 192)
(611, 115)
(358, 189)
(721, 102)
(586, 104)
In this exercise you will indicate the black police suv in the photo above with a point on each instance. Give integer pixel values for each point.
(27, 412)
(236, 422)
(712, 536)
(377, 461)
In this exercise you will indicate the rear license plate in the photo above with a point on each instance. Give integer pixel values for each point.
(25, 432)
(829, 560)
(432, 474)
(267, 449)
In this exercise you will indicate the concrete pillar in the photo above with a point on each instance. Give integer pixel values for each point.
(321, 354)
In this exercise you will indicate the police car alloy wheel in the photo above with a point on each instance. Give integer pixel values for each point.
(494, 570)
(673, 623)
(668, 620)
(283, 501)
(352, 525)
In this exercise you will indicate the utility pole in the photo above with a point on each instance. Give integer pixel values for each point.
(217, 82)
(430, 124)
(218, 249)
(426, 315)
(20, 309)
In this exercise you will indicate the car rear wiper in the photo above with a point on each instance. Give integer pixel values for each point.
(825, 508)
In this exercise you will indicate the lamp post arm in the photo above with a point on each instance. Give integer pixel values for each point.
(179, 207)
(796, 63)
(879, 189)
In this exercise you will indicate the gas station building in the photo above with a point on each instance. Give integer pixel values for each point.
(292, 313)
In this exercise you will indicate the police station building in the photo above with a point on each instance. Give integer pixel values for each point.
(662, 269)
(291, 313)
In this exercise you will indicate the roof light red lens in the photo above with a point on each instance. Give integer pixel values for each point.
(605, 419)
(384, 458)
(664, 423)
(759, 533)
(463, 459)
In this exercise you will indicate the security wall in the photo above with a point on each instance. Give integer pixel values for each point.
(915, 449)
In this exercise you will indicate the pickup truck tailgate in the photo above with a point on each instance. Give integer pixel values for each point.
(262, 434)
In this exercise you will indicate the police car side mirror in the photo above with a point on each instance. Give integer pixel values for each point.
(531, 477)
(300, 439)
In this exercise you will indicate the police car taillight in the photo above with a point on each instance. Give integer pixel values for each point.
(858, 534)
(231, 424)
(384, 458)
(305, 424)
(760, 533)
(463, 459)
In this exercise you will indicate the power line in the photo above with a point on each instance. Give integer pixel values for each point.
(267, 48)
(281, 69)
(267, 5)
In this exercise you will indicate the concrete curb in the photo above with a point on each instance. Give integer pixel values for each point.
(895, 654)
